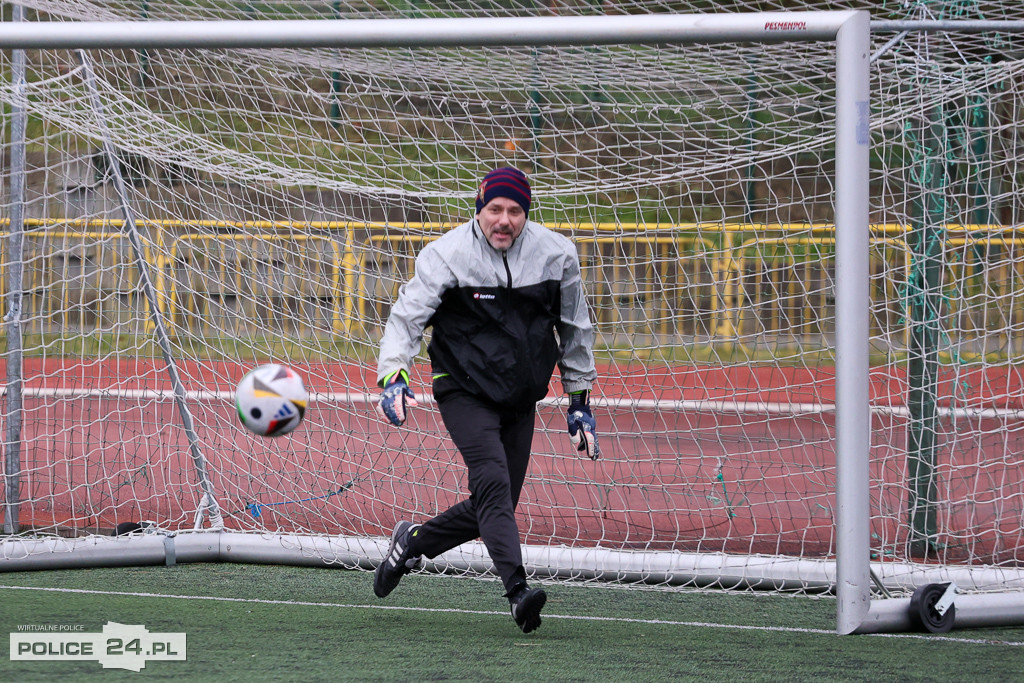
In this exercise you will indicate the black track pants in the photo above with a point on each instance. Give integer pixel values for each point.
(495, 445)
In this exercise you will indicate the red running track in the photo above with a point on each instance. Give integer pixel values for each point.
(698, 476)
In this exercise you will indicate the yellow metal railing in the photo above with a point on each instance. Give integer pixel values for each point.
(87, 279)
(242, 267)
(74, 279)
(982, 269)
(648, 284)
(801, 288)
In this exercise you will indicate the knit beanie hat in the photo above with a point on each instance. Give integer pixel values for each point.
(504, 182)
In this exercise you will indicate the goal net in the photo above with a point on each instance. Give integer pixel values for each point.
(187, 214)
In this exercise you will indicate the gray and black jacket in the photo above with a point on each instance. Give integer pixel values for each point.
(495, 315)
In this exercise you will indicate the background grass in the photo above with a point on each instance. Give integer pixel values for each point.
(459, 629)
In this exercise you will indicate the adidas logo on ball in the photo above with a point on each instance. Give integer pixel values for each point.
(284, 411)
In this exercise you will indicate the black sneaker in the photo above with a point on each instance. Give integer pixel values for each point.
(526, 605)
(398, 562)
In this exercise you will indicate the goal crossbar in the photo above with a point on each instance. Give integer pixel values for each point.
(474, 32)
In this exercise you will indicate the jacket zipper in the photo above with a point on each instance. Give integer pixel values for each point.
(508, 271)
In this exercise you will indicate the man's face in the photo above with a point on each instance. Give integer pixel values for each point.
(502, 221)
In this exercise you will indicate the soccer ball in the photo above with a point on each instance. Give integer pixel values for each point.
(271, 400)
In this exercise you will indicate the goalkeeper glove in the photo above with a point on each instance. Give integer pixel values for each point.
(582, 426)
(396, 398)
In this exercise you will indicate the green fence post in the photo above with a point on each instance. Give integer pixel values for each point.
(924, 308)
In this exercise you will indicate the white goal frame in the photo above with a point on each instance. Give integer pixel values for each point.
(849, 30)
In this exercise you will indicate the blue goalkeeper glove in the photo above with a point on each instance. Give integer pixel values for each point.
(396, 398)
(582, 426)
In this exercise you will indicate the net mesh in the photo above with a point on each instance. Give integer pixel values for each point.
(282, 195)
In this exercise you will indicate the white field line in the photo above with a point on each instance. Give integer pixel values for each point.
(697, 405)
(449, 610)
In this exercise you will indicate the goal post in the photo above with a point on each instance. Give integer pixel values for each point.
(282, 175)
(853, 419)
